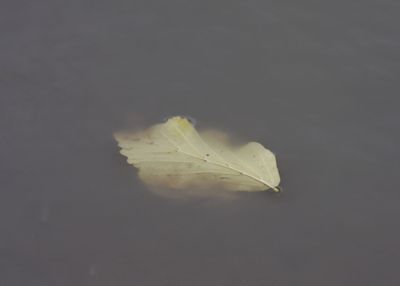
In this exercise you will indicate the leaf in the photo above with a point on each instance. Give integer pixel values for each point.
(174, 155)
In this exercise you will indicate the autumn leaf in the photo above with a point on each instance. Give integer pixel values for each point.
(174, 155)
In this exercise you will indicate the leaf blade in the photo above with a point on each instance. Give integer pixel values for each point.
(175, 152)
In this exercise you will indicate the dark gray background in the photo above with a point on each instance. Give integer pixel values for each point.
(317, 82)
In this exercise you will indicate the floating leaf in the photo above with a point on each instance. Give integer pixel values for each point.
(174, 155)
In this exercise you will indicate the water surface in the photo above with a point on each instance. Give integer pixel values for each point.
(316, 83)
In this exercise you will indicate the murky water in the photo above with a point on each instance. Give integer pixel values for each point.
(316, 83)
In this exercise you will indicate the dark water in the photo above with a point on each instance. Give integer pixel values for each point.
(318, 83)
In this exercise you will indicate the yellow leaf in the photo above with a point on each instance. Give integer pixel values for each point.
(174, 155)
